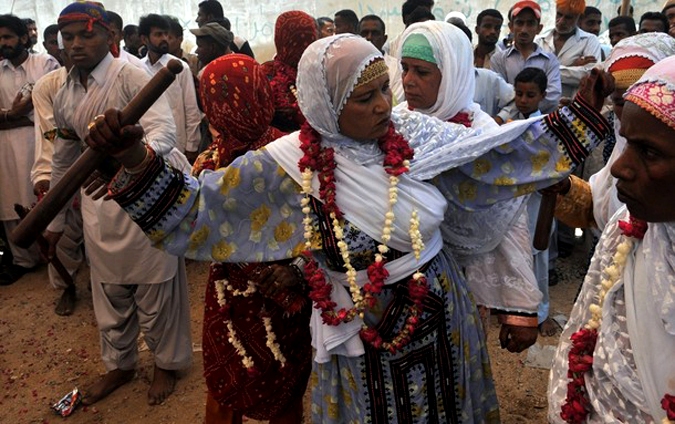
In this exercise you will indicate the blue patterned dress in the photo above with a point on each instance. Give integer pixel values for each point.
(250, 212)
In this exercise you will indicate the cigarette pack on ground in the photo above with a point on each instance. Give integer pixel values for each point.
(68, 403)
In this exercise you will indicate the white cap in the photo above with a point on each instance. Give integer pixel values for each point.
(455, 14)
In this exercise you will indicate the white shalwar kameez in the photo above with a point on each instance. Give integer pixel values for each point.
(134, 286)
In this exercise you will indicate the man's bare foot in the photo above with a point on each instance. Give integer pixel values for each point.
(549, 327)
(108, 384)
(163, 383)
(66, 304)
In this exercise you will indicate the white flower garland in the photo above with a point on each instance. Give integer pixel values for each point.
(613, 273)
(272, 345)
(416, 236)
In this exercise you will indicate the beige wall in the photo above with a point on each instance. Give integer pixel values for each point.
(254, 19)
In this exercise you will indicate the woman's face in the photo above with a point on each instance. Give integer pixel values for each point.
(646, 168)
(421, 80)
(365, 116)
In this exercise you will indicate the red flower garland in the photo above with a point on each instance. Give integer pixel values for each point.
(668, 405)
(577, 406)
(398, 153)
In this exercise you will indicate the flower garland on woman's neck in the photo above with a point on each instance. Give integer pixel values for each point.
(577, 405)
(397, 155)
(285, 92)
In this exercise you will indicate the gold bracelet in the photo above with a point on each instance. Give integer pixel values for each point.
(518, 321)
(141, 166)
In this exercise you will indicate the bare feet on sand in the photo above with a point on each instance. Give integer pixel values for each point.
(549, 327)
(163, 383)
(66, 304)
(108, 384)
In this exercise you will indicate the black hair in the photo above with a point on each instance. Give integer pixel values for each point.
(28, 21)
(630, 10)
(14, 24)
(410, 5)
(590, 10)
(213, 8)
(349, 16)
(151, 20)
(52, 29)
(488, 12)
(534, 75)
(175, 28)
(655, 16)
(115, 19)
(465, 29)
(130, 30)
(626, 21)
(322, 20)
(373, 18)
(420, 14)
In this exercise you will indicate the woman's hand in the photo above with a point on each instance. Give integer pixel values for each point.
(276, 278)
(595, 87)
(122, 143)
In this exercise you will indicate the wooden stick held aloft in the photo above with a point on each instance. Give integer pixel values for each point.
(44, 212)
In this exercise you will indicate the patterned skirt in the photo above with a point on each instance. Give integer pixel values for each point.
(442, 376)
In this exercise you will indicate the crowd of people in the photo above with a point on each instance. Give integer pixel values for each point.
(367, 201)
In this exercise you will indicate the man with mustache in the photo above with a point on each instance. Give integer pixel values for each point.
(19, 69)
(154, 32)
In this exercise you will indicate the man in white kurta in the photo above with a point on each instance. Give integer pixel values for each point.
(69, 249)
(134, 286)
(577, 50)
(154, 32)
(19, 69)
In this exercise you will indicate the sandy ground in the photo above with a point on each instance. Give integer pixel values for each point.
(44, 356)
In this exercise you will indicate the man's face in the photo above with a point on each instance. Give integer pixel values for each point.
(327, 29)
(32, 34)
(565, 21)
(174, 44)
(205, 50)
(591, 23)
(618, 33)
(86, 48)
(342, 26)
(488, 31)
(202, 17)
(157, 41)
(51, 44)
(651, 25)
(524, 26)
(11, 45)
(670, 14)
(133, 41)
(646, 169)
(371, 30)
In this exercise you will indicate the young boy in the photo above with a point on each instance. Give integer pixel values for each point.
(530, 86)
(524, 23)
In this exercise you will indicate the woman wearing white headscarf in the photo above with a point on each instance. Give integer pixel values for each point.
(498, 264)
(397, 338)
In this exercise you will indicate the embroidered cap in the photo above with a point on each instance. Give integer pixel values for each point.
(373, 71)
(655, 91)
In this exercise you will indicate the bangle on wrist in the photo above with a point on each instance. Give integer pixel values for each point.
(137, 169)
(518, 321)
(298, 266)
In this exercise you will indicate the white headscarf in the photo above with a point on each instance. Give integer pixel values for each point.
(454, 57)
(327, 74)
